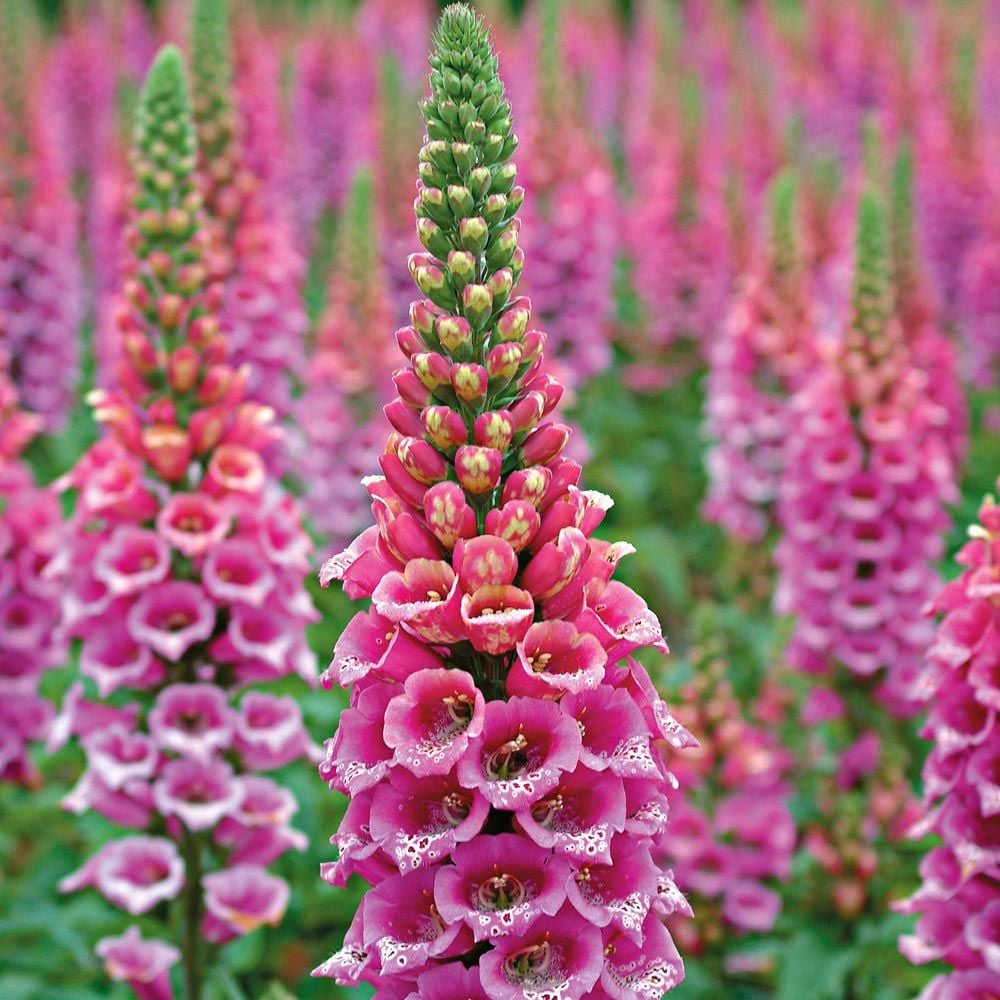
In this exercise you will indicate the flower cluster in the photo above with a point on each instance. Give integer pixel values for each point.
(252, 250)
(347, 380)
(183, 580)
(30, 530)
(506, 790)
(731, 835)
(959, 900)
(867, 471)
(765, 351)
(41, 281)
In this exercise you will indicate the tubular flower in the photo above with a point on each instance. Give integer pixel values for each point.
(346, 380)
(30, 641)
(252, 251)
(959, 900)
(868, 470)
(766, 351)
(506, 789)
(41, 280)
(178, 542)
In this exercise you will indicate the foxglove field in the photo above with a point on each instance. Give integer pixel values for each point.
(499, 500)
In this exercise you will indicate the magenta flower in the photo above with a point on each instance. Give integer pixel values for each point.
(766, 350)
(133, 560)
(119, 756)
(501, 746)
(500, 885)
(269, 731)
(242, 898)
(199, 794)
(236, 572)
(562, 958)
(135, 873)
(30, 640)
(430, 724)
(113, 659)
(143, 963)
(192, 720)
(402, 924)
(184, 568)
(862, 505)
(524, 748)
(959, 899)
(171, 617)
(418, 821)
(192, 523)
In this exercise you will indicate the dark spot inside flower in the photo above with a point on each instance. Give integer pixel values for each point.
(178, 620)
(529, 964)
(546, 810)
(500, 892)
(456, 807)
(509, 759)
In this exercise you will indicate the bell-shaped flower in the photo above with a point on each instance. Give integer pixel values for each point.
(419, 821)
(132, 560)
(642, 971)
(143, 963)
(554, 659)
(236, 572)
(500, 885)
(171, 617)
(402, 923)
(135, 873)
(242, 898)
(578, 815)
(525, 747)
(269, 732)
(113, 659)
(561, 956)
(192, 523)
(199, 793)
(429, 725)
(192, 720)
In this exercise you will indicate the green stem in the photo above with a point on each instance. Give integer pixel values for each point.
(192, 950)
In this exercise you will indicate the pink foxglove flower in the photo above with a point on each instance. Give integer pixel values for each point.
(868, 472)
(500, 751)
(179, 542)
(30, 638)
(869, 469)
(959, 900)
(765, 351)
(143, 963)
